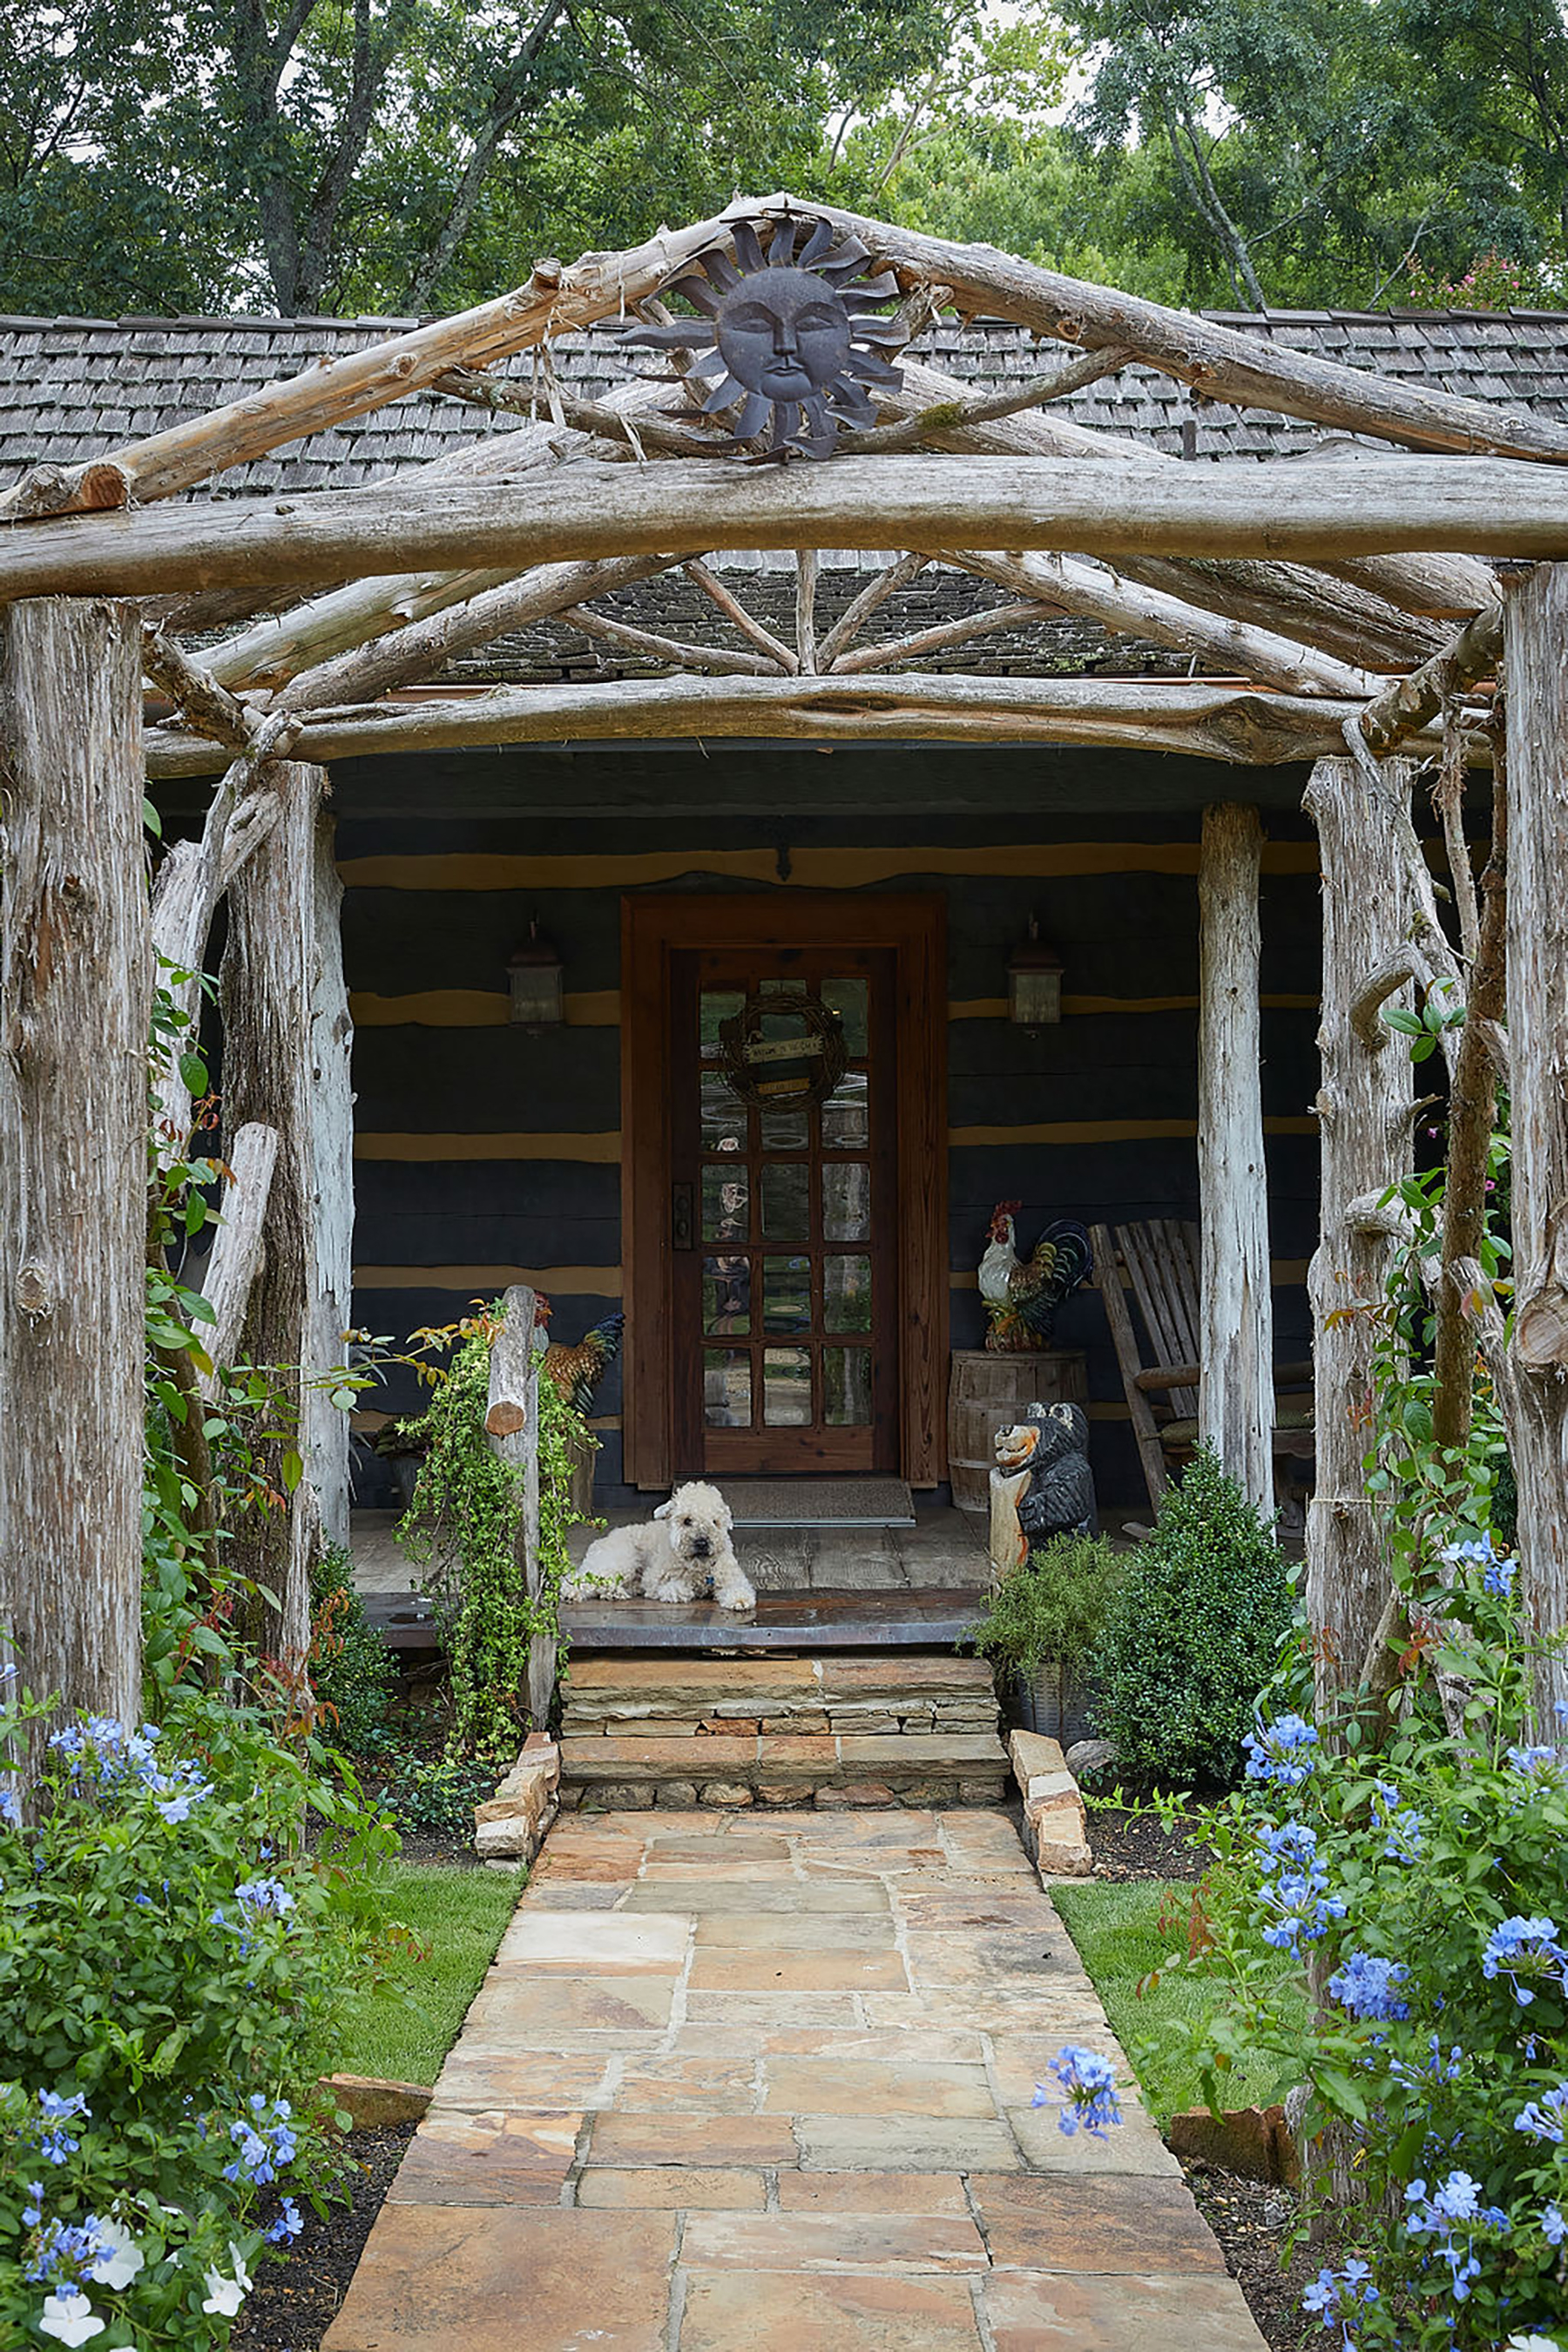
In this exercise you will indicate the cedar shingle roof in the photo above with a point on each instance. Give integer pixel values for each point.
(72, 388)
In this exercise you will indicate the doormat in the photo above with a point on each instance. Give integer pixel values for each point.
(819, 1502)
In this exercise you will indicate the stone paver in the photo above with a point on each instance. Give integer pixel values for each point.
(747, 2086)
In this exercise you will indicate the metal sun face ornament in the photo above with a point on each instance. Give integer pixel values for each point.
(780, 336)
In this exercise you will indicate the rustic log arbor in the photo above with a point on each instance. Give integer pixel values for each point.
(1341, 610)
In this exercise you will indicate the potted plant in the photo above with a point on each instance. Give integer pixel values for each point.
(1042, 1627)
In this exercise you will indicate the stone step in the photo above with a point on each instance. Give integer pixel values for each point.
(620, 1771)
(918, 1693)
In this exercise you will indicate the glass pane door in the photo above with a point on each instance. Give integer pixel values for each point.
(781, 1226)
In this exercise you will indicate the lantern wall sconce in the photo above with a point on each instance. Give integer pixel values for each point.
(1034, 982)
(534, 979)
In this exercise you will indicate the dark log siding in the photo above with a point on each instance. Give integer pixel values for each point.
(487, 1154)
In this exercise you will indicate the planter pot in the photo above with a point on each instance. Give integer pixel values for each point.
(1054, 1703)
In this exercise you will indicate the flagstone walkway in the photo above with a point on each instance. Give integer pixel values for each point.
(761, 2082)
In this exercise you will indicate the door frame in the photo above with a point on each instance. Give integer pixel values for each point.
(653, 928)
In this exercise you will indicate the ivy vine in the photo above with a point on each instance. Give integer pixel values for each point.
(463, 1526)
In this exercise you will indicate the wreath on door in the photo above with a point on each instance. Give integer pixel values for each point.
(783, 1047)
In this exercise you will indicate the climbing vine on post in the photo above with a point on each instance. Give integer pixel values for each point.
(464, 1524)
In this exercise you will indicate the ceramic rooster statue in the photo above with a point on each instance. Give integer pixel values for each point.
(1021, 1300)
(577, 1372)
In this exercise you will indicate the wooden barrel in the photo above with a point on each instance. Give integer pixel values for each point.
(989, 1392)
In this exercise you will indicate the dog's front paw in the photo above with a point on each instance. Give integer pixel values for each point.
(736, 1596)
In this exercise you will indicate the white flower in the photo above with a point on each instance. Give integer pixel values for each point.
(1533, 2344)
(224, 2295)
(124, 2258)
(70, 2319)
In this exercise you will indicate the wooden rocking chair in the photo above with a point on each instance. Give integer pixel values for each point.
(1160, 1260)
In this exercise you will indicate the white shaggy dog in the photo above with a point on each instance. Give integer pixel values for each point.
(669, 1558)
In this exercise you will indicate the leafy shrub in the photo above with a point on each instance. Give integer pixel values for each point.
(352, 1674)
(434, 1796)
(171, 1972)
(1193, 1632)
(1053, 1605)
(1418, 1894)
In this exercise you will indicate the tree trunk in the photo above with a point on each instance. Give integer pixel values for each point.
(1536, 630)
(75, 1013)
(267, 988)
(1235, 1391)
(236, 1252)
(326, 1428)
(512, 1420)
(1363, 1107)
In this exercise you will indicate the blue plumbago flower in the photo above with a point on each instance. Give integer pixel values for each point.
(1280, 1753)
(1090, 2082)
(1365, 1986)
(265, 1895)
(1554, 2226)
(32, 2211)
(1455, 2203)
(1334, 2295)
(1543, 2118)
(1522, 1947)
(1296, 1842)
(1298, 1908)
(1401, 1824)
(67, 2254)
(55, 2143)
(288, 2224)
(11, 1808)
(265, 2142)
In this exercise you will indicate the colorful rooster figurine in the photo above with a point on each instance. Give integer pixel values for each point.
(1022, 1300)
(577, 1372)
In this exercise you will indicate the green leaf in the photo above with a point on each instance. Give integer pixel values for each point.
(194, 1074)
(1395, 1016)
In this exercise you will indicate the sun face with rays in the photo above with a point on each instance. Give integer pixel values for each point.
(779, 336)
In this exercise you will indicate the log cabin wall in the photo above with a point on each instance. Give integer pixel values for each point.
(486, 1155)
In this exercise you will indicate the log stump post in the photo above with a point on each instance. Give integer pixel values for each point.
(1536, 630)
(266, 988)
(511, 1423)
(76, 976)
(1235, 1386)
(1363, 1107)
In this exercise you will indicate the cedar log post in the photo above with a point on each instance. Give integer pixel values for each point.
(267, 989)
(326, 1426)
(1364, 1106)
(511, 1422)
(1536, 630)
(1236, 1354)
(75, 1012)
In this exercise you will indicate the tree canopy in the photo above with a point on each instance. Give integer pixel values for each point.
(413, 155)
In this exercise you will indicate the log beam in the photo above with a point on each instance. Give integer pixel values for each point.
(1537, 986)
(684, 506)
(1235, 1384)
(329, 1306)
(512, 1421)
(237, 1251)
(75, 1012)
(1363, 1106)
(1208, 718)
(1403, 708)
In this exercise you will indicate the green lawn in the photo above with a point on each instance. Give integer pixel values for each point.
(1117, 1930)
(454, 1920)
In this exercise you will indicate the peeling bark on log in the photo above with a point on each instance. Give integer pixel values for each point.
(682, 505)
(1211, 721)
(512, 1422)
(75, 1009)
(265, 995)
(1536, 630)
(1403, 709)
(331, 1305)
(1235, 1385)
(1366, 1145)
(236, 1252)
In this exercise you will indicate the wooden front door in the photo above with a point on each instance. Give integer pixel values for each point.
(783, 1257)
(786, 1277)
